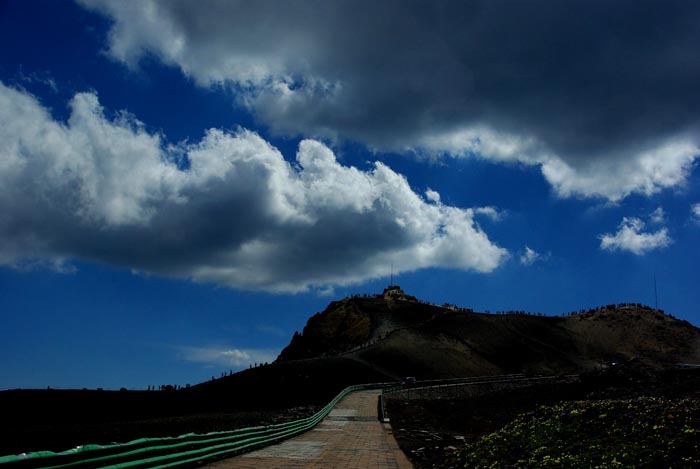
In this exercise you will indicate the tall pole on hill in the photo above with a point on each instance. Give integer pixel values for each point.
(391, 279)
(656, 295)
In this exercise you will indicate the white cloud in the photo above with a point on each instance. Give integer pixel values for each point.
(479, 141)
(695, 212)
(432, 196)
(658, 216)
(323, 70)
(491, 212)
(327, 291)
(529, 257)
(646, 172)
(614, 176)
(630, 237)
(240, 215)
(227, 357)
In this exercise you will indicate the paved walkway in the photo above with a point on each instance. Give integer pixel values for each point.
(350, 437)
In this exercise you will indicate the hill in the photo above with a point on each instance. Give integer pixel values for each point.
(397, 335)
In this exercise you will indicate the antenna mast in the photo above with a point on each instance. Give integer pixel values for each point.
(656, 295)
(391, 281)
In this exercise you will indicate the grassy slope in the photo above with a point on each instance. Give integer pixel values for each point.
(643, 432)
(429, 431)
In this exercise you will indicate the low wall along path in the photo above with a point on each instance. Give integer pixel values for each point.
(350, 437)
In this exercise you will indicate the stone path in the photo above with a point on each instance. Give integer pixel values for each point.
(350, 437)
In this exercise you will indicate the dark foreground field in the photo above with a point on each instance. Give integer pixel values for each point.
(80, 429)
(57, 420)
(638, 413)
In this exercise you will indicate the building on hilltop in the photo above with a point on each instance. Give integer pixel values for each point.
(393, 291)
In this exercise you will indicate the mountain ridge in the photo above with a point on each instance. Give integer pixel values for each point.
(402, 336)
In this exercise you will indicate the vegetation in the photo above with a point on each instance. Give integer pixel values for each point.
(641, 432)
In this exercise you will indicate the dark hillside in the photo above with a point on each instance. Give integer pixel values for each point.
(356, 321)
(57, 420)
(397, 335)
(285, 384)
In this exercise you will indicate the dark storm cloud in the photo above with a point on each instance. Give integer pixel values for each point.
(593, 91)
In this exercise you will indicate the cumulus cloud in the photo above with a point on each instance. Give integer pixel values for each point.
(433, 196)
(227, 357)
(529, 257)
(490, 212)
(630, 237)
(601, 96)
(695, 212)
(658, 216)
(227, 209)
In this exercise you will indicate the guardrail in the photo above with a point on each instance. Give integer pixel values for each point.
(452, 381)
(161, 453)
(431, 383)
(420, 389)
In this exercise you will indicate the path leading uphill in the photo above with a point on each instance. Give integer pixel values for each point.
(349, 437)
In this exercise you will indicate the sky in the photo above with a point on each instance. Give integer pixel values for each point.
(182, 184)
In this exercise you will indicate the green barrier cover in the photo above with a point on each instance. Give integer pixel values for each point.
(173, 451)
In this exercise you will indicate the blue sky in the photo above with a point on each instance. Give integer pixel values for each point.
(182, 184)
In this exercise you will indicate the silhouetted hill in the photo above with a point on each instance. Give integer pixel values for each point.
(401, 336)
(354, 322)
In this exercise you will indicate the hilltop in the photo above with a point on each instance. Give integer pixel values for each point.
(398, 335)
